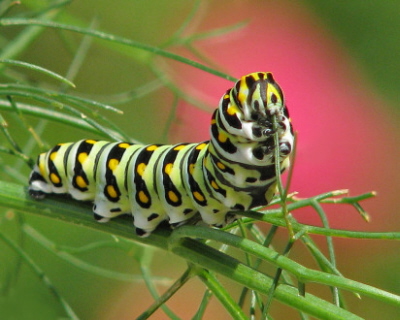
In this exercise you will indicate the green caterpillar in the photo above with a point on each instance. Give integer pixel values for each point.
(233, 171)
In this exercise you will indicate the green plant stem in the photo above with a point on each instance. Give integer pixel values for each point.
(116, 39)
(59, 95)
(40, 274)
(221, 293)
(302, 273)
(82, 265)
(229, 267)
(60, 117)
(272, 219)
(15, 196)
(203, 305)
(26, 37)
(37, 68)
(160, 301)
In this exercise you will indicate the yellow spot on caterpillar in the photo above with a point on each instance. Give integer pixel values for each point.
(191, 168)
(221, 165)
(214, 185)
(82, 157)
(213, 121)
(222, 137)
(152, 147)
(226, 96)
(111, 191)
(53, 155)
(198, 196)
(42, 168)
(140, 168)
(142, 197)
(180, 147)
(124, 145)
(231, 110)
(54, 178)
(80, 182)
(172, 196)
(242, 96)
(274, 93)
(201, 146)
(113, 164)
(168, 168)
(90, 141)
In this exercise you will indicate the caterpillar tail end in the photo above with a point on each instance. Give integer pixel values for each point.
(142, 233)
(36, 194)
(100, 218)
(38, 187)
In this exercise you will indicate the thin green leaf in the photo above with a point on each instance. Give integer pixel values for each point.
(60, 117)
(167, 295)
(38, 69)
(116, 39)
(302, 273)
(15, 196)
(40, 274)
(79, 263)
(221, 294)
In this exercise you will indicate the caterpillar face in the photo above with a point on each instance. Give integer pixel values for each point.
(233, 171)
(247, 109)
(242, 127)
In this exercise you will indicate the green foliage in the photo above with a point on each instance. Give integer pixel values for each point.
(376, 47)
(242, 253)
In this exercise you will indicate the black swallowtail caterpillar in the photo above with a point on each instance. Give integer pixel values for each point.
(233, 171)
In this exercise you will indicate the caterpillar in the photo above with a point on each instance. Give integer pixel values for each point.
(233, 171)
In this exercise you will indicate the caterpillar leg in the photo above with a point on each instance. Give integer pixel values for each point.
(230, 218)
(147, 221)
(37, 194)
(214, 217)
(104, 210)
(99, 218)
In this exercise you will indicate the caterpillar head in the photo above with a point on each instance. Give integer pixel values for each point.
(258, 96)
(249, 106)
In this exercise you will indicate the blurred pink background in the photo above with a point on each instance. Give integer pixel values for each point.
(346, 135)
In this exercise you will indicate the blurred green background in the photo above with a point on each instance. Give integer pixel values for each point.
(305, 43)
